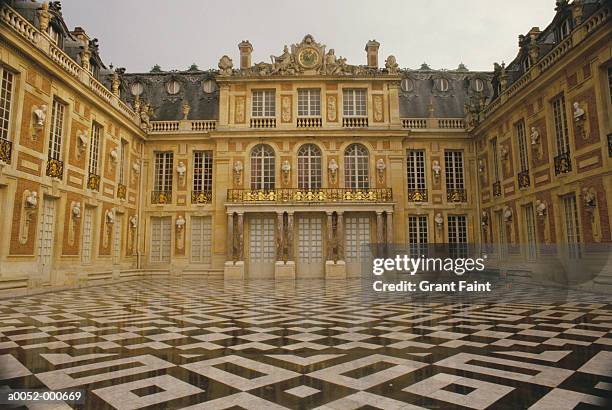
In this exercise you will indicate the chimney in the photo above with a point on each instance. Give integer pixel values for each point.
(245, 54)
(371, 49)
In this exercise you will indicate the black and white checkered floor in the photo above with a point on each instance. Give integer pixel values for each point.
(204, 344)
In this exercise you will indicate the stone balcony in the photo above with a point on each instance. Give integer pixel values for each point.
(433, 123)
(305, 196)
(182, 127)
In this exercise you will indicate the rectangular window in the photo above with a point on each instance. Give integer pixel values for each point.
(6, 97)
(495, 154)
(417, 235)
(123, 161)
(202, 171)
(531, 233)
(457, 235)
(161, 239)
(572, 229)
(522, 145)
(163, 171)
(264, 103)
(560, 122)
(94, 148)
(201, 234)
(57, 130)
(87, 234)
(501, 235)
(117, 240)
(415, 164)
(354, 102)
(453, 168)
(309, 102)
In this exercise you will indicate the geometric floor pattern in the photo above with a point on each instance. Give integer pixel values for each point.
(210, 344)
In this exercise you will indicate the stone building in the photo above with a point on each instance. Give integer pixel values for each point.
(285, 169)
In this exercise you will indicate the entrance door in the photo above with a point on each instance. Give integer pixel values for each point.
(45, 234)
(357, 239)
(161, 239)
(310, 246)
(262, 246)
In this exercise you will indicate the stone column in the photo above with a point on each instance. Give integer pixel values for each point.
(340, 235)
(330, 236)
(379, 228)
(240, 246)
(280, 233)
(290, 236)
(230, 236)
(389, 227)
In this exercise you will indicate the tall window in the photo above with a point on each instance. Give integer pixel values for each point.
(57, 130)
(572, 229)
(502, 241)
(417, 235)
(309, 167)
(495, 154)
(264, 103)
(457, 235)
(354, 102)
(356, 163)
(123, 161)
(94, 148)
(309, 102)
(522, 145)
(262, 167)
(415, 164)
(453, 168)
(531, 233)
(87, 234)
(202, 171)
(560, 122)
(163, 171)
(6, 97)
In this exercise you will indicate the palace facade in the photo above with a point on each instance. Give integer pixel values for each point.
(286, 169)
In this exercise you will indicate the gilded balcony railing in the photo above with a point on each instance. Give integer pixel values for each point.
(523, 179)
(201, 197)
(322, 195)
(563, 163)
(456, 195)
(161, 197)
(55, 168)
(6, 150)
(263, 122)
(309, 122)
(497, 188)
(417, 195)
(93, 182)
(121, 191)
(355, 122)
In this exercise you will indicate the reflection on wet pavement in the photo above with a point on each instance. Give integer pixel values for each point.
(309, 344)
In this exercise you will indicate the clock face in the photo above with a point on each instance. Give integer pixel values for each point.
(308, 58)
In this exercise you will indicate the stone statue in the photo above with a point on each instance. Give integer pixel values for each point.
(507, 214)
(225, 66)
(331, 65)
(391, 65)
(504, 152)
(439, 220)
(590, 197)
(284, 63)
(181, 168)
(134, 222)
(485, 219)
(186, 109)
(436, 168)
(535, 136)
(110, 217)
(540, 208)
(41, 115)
(145, 117)
(76, 210)
(180, 223)
(31, 201)
(578, 112)
(481, 166)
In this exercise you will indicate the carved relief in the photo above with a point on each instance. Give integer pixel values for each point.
(39, 116)
(286, 108)
(181, 169)
(132, 233)
(536, 144)
(332, 167)
(332, 108)
(180, 232)
(580, 121)
(30, 207)
(237, 171)
(81, 144)
(436, 168)
(109, 222)
(381, 166)
(286, 172)
(378, 108)
(239, 116)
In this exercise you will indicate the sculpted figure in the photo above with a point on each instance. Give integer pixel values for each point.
(535, 136)
(225, 66)
(391, 65)
(32, 200)
(41, 114)
(578, 112)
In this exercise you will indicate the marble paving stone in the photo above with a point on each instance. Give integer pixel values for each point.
(302, 391)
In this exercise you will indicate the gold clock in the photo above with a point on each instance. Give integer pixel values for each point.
(308, 58)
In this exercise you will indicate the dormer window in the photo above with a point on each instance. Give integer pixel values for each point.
(478, 85)
(564, 29)
(173, 87)
(55, 35)
(407, 85)
(136, 89)
(442, 84)
(526, 64)
(93, 68)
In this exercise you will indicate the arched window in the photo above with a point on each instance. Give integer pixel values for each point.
(309, 167)
(356, 167)
(262, 167)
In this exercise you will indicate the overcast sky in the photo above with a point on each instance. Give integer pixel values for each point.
(137, 34)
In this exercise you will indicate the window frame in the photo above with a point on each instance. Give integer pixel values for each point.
(454, 173)
(521, 137)
(263, 103)
(163, 171)
(357, 167)
(93, 163)
(202, 179)
(310, 167)
(56, 137)
(309, 102)
(355, 102)
(415, 169)
(7, 94)
(263, 167)
(562, 139)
